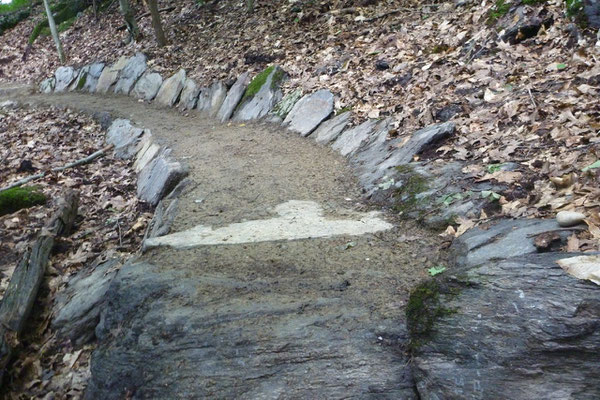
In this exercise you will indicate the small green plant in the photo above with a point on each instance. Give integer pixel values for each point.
(595, 165)
(494, 168)
(574, 8)
(440, 48)
(17, 198)
(533, 2)
(499, 10)
(343, 110)
(433, 271)
(491, 195)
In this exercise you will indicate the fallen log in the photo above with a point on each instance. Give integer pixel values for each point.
(25, 282)
(83, 161)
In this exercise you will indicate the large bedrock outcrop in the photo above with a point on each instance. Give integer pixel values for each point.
(517, 328)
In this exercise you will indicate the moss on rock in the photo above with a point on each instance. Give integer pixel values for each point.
(409, 194)
(17, 198)
(258, 82)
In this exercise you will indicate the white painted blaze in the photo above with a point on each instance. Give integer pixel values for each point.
(297, 220)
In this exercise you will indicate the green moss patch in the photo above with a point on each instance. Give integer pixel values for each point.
(17, 198)
(408, 195)
(424, 307)
(258, 82)
(499, 10)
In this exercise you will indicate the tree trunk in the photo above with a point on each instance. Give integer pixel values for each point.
(54, 32)
(129, 17)
(156, 24)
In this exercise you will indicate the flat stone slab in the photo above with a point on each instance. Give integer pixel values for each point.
(147, 150)
(507, 238)
(77, 307)
(94, 71)
(158, 178)
(283, 108)
(351, 140)
(234, 95)
(109, 76)
(125, 137)
(64, 77)
(147, 86)
(329, 130)
(309, 111)
(297, 220)
(520, 328)
(171, 89)
(130, 74)
(266, 92)
(211, 98)
(189, 95)
(47, 85)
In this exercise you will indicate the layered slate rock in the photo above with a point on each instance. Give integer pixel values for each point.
(147, 86)
(157, 318)
(283, 108)
(109, 76)
(189, 95)
(94, 71)
(158, 178)
(171, 89)
(47, 85)
(505, 239)
(517, 328)
(130, 74)
(375, 158)
(352, 139)
(77, 307)
(234, 95)
(309, 111)
(329, 130)
(148, 149)
(125, 137)
(261, 95)
(211, 98)
(64, 77)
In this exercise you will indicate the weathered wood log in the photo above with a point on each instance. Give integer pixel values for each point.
(27, 278)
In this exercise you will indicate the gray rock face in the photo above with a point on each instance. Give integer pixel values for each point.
(171, 89)
(78, 306)
(109, 76)
(94, 71)
(234, 95)
(64, 77)
(147, 150)
(309, 111)
(158, 178)
(520, 328)
(157, 317)
(283, 108)
(377, 156)
(352, 139)
(125, 137)
(329, 130)
(189, 95)
(147, 86)
(130, 74)
(255, 106)
(504, 240)
(591, 9)
(47, 85)
(79, 81)
(211, 99)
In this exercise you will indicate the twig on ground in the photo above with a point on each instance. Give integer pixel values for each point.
(82, 161)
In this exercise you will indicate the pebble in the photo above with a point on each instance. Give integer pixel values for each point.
(569, 218)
